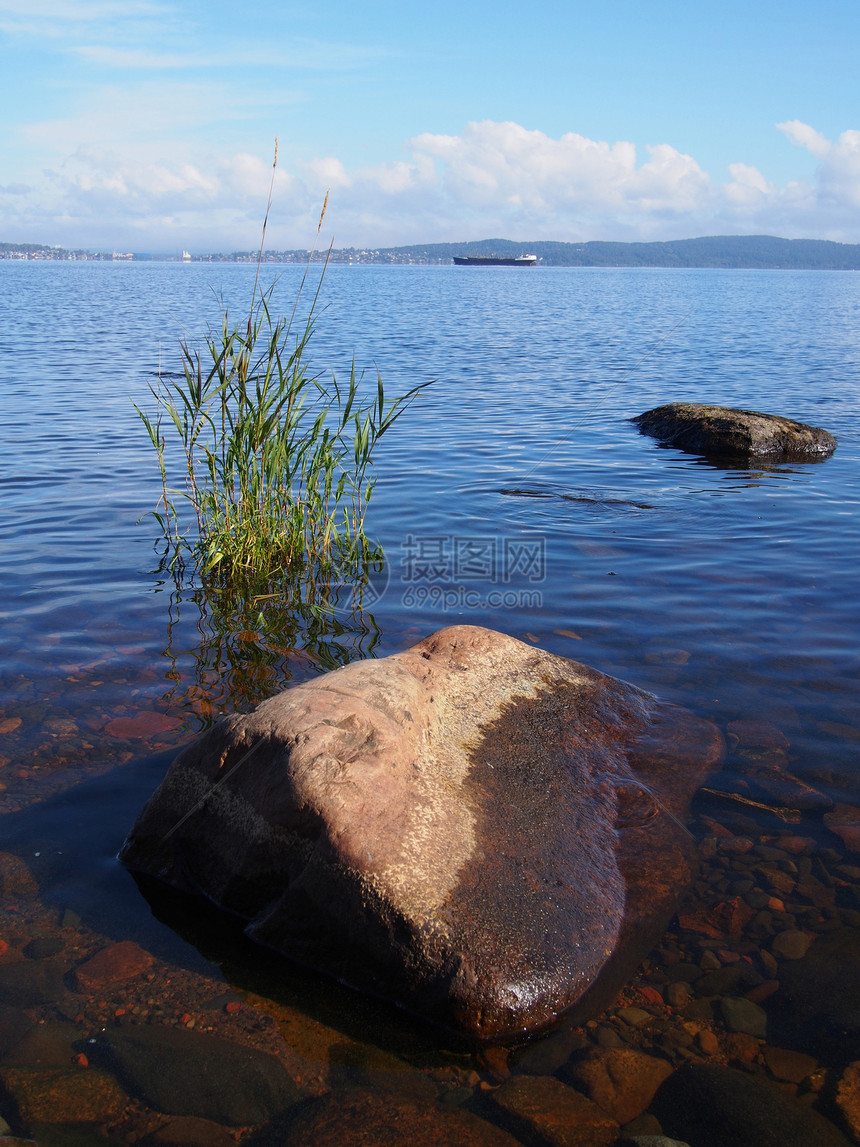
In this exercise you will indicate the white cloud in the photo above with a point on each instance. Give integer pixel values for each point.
(748, 188)
(805, 136)
(54, 19)
(327, 173)
(495, 176)
(505, 179)
(161, 120)
(838, 176)
(308, 54)
(493, 179)
(77, 10)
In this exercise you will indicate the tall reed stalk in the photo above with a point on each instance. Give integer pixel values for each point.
(276, 460)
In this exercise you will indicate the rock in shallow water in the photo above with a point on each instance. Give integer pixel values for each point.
(479, 830)
(207, 1077)
(713, 1106)
(726, 431)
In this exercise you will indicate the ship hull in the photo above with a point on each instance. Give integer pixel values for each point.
(492, 261)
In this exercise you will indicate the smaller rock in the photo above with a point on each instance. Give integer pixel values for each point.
(69, 1096)
(844, 821)
(768, 963)
(607, 1036)
(741, 1015)
(43, 948)
(363, 1118)
(112, 965)
(32, 982)
(740, 1047)
(494, 1059)
(546, 1056)
(730, 978)
(796, 844)
(730, 432)
(560, 1116)
(634, 1016)
(646, 1124)
(16, 880)
(790, 945)
(778, 880)
(708, 1042)
(189, 1131)
(142, 725)
(46, 1045)
(763, 992)
(757, 734)
(820, 994)
(651, 1141)
(712, 1106)
(678, 994)
(689, 972)
(848, 1097)
(363, 1065)
(619, 1080)
(736, 846)
(789, 1066)
(14, 1025)
(209, 1077)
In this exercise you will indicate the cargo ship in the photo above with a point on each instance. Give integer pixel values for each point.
(495, 261)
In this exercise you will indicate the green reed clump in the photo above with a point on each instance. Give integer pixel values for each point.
(275, 460)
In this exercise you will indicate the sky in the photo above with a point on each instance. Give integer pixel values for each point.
(150, 125)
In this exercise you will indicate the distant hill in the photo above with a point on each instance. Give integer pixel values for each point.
(750, 251)
(729, 251)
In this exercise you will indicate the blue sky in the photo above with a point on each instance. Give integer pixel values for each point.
(149, 124)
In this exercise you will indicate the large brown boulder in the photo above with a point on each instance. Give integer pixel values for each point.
(475, 828)
(727, 432)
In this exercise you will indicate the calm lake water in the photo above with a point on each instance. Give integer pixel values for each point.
(515, 494)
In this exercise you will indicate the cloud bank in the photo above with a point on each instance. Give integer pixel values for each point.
(492, 180)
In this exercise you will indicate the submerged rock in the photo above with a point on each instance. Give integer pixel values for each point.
(207, 1077)
(711, 1106)
(725, 431)
(479, 830)
(364, 1118)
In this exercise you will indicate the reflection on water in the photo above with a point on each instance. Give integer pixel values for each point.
(249, 646)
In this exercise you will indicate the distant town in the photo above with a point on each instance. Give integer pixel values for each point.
(760, 252)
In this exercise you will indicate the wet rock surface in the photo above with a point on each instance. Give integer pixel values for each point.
(483, 831)
(723, 431)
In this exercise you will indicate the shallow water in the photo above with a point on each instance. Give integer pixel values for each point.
(515, 494)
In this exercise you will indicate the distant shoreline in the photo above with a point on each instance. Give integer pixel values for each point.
(735, 252)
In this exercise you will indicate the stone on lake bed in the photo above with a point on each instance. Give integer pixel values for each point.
(726, 431)
(481, 831)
